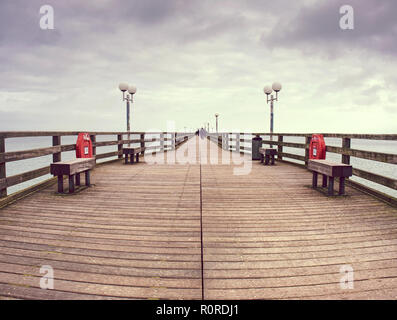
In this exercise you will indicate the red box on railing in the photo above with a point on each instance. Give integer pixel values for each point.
(317, 149)
(83, 146)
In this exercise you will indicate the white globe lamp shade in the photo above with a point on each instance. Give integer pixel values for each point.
(123, 87)
(132, 89)
(267, 90)
(276, 86)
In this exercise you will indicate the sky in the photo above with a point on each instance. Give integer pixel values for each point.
(190, 59)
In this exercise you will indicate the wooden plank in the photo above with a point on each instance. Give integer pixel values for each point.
(369, 155)
(69, 147)
(337, 135)
(23, 134)
(292, 156)
(72, 167)
(285, 144)
(329, 168)
(22, 177)
(385, 181)
(28, 154)
(3, 186)
(107, 155)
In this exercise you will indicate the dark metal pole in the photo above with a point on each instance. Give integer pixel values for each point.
(271, 119)
(128, 118)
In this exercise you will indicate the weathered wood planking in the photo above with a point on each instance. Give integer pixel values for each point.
(268, 235)
(72, 166)
(330, 168)
(137, 234)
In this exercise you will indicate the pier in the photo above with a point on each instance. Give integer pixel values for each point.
(196, 230)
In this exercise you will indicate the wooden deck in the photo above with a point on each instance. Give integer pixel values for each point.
(197, 230)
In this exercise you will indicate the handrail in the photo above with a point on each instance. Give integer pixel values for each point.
(57, 149)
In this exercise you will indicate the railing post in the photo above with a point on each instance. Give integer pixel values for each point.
(142, 142)
(307, 141)
(93, 140)
(280, 148)
(120, 146)
(238, 142)
(346, 142)
(56, 141)
(3, 191)
(174, 140)
(161, 142)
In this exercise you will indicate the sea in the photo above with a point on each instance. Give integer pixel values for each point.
(26, 143)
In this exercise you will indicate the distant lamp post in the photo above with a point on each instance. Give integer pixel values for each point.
(216, 117)
(129, 98)
(268, 90)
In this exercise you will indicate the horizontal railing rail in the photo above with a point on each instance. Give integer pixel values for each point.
(163, 141)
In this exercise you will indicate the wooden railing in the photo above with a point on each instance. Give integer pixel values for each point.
(235, 142)
(153, 141)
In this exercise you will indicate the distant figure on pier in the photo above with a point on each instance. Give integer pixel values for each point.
(203, 133)
(197, 132)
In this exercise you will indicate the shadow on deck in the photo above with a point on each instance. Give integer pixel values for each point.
(147, 231)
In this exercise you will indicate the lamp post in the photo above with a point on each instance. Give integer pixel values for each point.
(129, 98)
(268, 90)
(216, 117)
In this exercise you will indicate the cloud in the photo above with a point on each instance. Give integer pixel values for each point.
(190, 59)
(316, 27)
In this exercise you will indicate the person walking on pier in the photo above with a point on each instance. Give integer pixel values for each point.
(203, 133)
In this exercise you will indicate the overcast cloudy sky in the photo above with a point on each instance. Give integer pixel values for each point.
(192, 58)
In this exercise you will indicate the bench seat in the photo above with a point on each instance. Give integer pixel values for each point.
(267, 154)
(72, 169)
(130, 152)
(330, 170)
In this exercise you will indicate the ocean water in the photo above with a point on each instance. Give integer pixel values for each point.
(16, 167)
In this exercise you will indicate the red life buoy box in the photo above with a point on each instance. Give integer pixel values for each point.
(83, 146)
(317, 147)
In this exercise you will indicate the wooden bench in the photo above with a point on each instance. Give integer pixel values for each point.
(267, 154)
(330, 170)
(130, 152)
(72, 169)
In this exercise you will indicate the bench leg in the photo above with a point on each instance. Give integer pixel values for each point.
(126, 158)
(341, 185)
(262, 158)
(314, 180)
(272, 160)
(60, 183)
(77, 179)
(331, 186)
(267, 159)
(87, 178)
(132, 159)
(324, 180)
(71, 183)
(137, 157)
